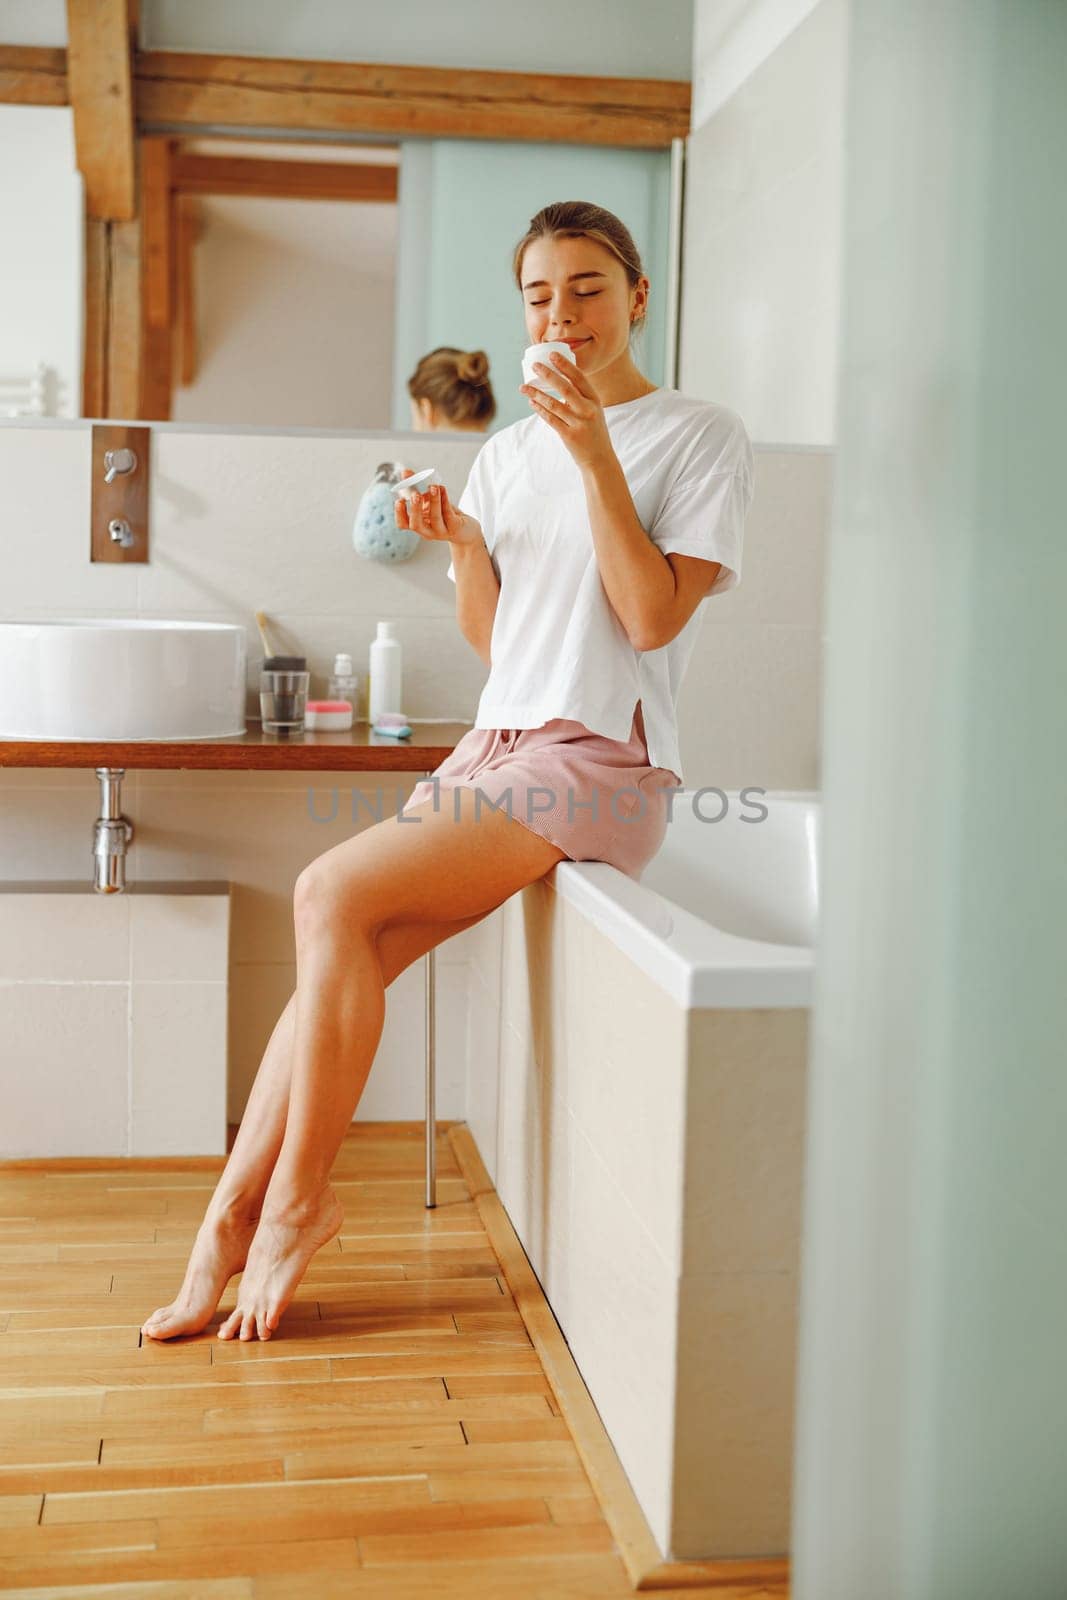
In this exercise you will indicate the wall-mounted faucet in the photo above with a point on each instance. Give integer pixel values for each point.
(119, 483)
(121, 532)
(117, 461)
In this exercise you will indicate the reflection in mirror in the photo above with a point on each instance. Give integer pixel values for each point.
(312, 282)
(285, 269)
(201, 243)
(451, 389)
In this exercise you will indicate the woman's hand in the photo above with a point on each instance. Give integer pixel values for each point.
(579, 417)
(433, 516)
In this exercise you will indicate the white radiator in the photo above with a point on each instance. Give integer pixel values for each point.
(30, 396)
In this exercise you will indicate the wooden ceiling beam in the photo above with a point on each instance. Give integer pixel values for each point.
(100, 40)
(188, 93)
(31, 75)
(285, 180)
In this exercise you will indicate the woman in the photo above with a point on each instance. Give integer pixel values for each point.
(584, 544)
(450, 389)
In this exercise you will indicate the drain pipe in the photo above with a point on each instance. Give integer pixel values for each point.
(111, 834)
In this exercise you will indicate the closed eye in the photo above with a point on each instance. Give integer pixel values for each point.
(590, 294)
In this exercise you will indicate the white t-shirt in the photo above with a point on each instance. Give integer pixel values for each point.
(557, 647)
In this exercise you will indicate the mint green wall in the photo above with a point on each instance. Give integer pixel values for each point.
(464, 205)
(931, 1444)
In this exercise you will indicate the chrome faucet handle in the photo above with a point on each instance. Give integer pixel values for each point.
(117, 461)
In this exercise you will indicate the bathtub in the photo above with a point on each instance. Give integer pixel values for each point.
(725, 914)
(645, 1131)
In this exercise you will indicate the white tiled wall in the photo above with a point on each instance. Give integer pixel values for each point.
(762, 233)
(113, 1020)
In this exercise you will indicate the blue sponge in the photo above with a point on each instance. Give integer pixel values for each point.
(375, 534)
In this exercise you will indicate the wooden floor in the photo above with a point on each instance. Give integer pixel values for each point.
(401, 1435)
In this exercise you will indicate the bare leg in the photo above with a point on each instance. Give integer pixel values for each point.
(229, 1225)
(221, 1246)
(344, 901)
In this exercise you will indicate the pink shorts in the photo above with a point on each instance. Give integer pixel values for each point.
(597, 799)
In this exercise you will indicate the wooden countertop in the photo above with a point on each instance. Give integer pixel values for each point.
(357, 749)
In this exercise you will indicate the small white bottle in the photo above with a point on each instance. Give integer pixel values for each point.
(343, 683)
(384, 688)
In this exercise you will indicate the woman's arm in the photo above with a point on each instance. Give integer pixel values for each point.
(433, 516)
(477, 593)
(637, 577)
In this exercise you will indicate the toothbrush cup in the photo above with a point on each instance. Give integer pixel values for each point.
(283, 700)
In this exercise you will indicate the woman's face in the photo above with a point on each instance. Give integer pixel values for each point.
(577, 290)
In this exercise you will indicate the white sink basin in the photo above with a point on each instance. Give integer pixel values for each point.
(121, 678)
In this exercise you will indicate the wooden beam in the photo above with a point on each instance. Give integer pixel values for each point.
(188, 230)
(100, 83)
(285, 180)
(95, 316)
(342, 98)
(111, 368)
(156, 220)
(125, 349)
(188, 92)
(33, 76)
(157, 254)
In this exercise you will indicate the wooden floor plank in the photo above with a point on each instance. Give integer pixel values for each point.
(513, 1543)
(319, 1522)
(238, 1501)
(214, 1561)
(206, 1589)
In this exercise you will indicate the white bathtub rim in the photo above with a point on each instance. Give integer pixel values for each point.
(697, 964)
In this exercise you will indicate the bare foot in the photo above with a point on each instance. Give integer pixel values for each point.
(277, 1260)
(221, 1249)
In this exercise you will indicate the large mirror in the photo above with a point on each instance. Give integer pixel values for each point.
(214, 248)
